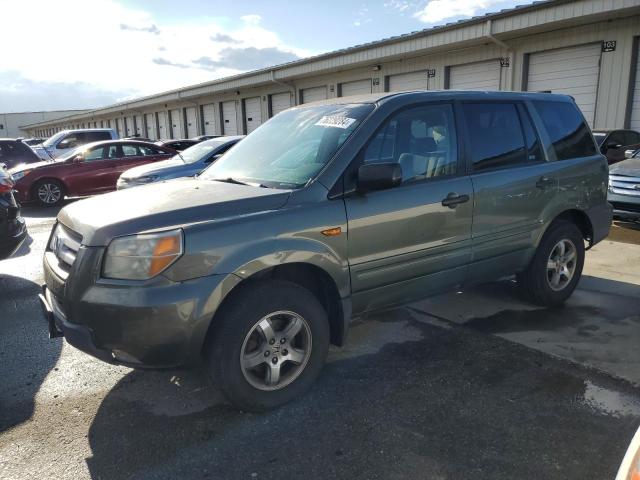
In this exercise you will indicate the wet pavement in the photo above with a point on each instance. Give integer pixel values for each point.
(466, 385)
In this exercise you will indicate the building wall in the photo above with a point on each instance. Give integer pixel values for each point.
(10, 123)
(471, 44)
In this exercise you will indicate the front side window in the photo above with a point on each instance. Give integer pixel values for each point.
(421, 139)
(496, 136)
(290, 149)
(94, 154)
(569, 134)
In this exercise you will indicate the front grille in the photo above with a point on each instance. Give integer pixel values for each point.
(624, 185)
(65, 244)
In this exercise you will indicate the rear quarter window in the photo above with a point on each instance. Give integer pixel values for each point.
(569, 134)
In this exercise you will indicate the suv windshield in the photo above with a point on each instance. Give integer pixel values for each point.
(49, 142)
(199, 151)
(290, 149)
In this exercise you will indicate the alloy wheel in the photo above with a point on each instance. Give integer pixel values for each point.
(561, 264)
(276, 350)
(49, 193)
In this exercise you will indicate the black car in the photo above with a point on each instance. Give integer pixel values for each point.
(614, 143)
(15, 152)
(178, 145)
(12, 227)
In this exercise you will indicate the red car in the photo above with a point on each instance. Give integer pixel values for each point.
(90, 169)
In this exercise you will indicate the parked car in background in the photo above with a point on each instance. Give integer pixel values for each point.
(328, 211)
(624, 189)
(14, 152)
(202, 138)
(187, 163)
(178, 145)
(63, 142)
(32, 141)
(614, 143)
(90, 169)
(12, 226)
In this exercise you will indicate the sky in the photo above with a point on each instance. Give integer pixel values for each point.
(68, 54)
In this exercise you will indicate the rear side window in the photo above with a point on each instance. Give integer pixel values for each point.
(496, 135)
(130, 151)
(569, 134)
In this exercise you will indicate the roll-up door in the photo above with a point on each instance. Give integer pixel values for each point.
(191, 120)
(139, 126)
(229, 120)
(475, 76)
(359, 87)
(280, 102)
(408, 81)
(163, 126)
(572, 71)
(252, 113)
(151, 126)
(209, 119)
(129, 124)
(635, 105)
(120, 127)
(176, 126)
(313, 94)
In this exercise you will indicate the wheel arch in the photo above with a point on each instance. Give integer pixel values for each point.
(580, 219)
(309, 276)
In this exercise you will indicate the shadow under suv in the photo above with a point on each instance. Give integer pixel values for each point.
(325, 212)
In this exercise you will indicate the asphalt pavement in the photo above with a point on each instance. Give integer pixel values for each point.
(475, 384)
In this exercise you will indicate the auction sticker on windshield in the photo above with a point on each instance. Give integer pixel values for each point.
(335, 121)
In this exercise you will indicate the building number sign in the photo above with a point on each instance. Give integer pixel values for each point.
(608, 46)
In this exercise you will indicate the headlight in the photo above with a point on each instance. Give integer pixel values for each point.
(140, 257)
(18, 175)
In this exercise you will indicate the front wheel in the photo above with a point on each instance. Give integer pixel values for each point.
(49, 193)
(269, 344)
(556, 266)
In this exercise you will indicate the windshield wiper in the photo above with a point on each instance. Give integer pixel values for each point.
(239, 182)
(230, 180)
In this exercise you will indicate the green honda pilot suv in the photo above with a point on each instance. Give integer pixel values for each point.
(325, 212)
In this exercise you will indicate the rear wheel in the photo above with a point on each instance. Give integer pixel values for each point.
(269, 344)
(49, 193)
(556, 267)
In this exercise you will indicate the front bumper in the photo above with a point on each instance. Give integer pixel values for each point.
(625, 206)
(154, 324)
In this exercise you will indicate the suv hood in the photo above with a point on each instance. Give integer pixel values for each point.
(629, 168)
(163, 206)
(155, 168)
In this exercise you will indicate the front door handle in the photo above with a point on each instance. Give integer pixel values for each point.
(544, 182)
(453, 199)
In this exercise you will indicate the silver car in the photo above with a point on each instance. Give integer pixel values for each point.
(624, 188)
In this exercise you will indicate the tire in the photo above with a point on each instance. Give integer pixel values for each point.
(549, 286)
(237, 343)
(49, 193)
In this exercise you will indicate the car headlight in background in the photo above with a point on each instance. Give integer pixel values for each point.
(141, 257)
(145, 179)
(18, 175)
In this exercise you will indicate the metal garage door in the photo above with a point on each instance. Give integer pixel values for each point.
(572, 71)
(176, 127)
(151, 126)
(229, 120)
(358, 87)
(209, 119)
(313, 94)
(129, 124)
(192, 122)
(139, 125)
(280, 102)
(475, 76)
(163, 125)
(120, 127)
(635, 105)
(408, 81)
(252, 113)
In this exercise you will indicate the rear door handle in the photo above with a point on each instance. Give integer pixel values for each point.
(544, 182)
(453, 199)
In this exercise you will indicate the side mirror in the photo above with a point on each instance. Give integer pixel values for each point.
(378, 176)
(611, 146)
(77, 158)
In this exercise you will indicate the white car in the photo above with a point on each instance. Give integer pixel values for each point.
(66, 140)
